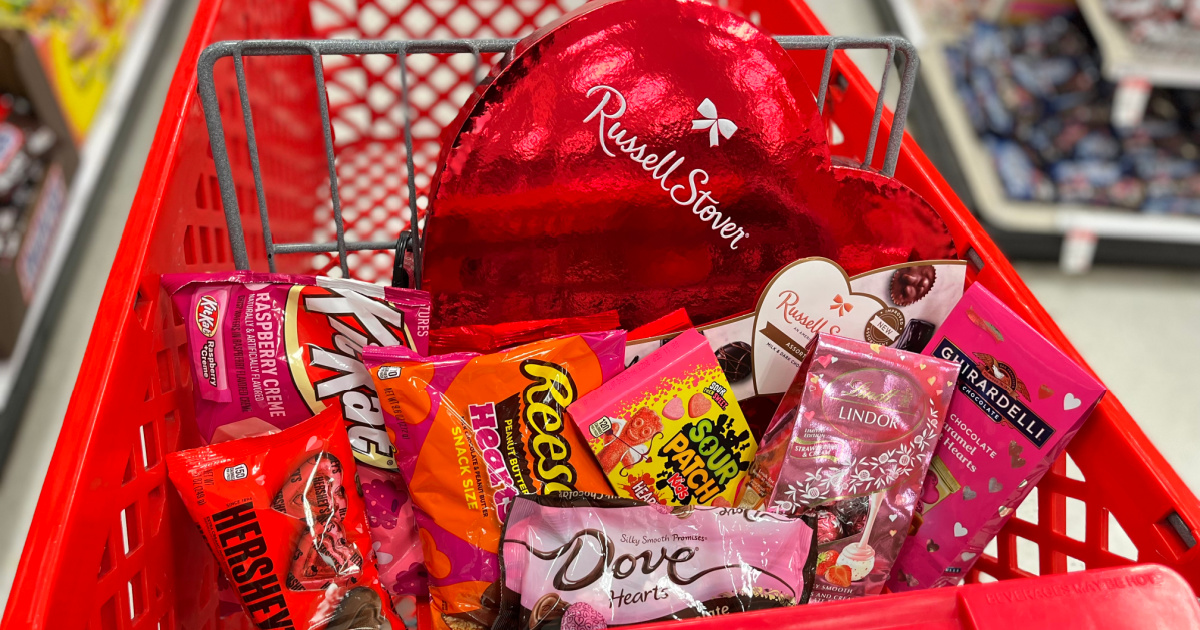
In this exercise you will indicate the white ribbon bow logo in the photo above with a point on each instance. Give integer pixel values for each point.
(716, 126)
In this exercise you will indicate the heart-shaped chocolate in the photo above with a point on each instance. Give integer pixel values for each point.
(647, 155)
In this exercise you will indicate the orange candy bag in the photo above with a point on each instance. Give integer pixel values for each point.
(472, 432)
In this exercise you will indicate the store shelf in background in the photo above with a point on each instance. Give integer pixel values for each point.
(104, 136)
(1082, 229)
(1135, 68)
(1124, 59)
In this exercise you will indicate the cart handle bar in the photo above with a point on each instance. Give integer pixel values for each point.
(401, 49)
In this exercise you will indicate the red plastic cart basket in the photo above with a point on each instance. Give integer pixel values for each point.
(111, 545)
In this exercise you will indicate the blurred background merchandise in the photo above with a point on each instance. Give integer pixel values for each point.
(69, 70)
(1071, 128)
(78, 44)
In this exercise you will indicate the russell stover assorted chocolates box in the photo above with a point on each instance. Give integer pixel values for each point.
(1017, 403)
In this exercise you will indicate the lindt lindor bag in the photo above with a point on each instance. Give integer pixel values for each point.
(850, 443)
(581, 562)
(1018, 402)
(583, 190)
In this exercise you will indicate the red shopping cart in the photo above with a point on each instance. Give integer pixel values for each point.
(111, 546)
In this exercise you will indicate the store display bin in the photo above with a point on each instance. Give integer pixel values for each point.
(111, 545)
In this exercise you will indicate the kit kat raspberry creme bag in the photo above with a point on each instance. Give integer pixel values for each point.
(473, 432)
(283, 516)
(271, 350)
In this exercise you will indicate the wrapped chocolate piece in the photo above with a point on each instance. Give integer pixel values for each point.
(284, 519)
(580, 562)
(584, 190)
(1018, 401)
(852, 438)
(668, 429)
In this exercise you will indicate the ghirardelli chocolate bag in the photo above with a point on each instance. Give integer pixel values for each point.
(1018, 401)
(850, 444)
(643, 156)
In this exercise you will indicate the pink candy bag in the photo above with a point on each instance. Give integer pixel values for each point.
(275, 349)
(269, 351)
(582, 562)
(850, 444)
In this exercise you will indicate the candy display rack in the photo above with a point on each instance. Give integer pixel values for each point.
(107, 514)
(95, 158)
(1074, 233)
(1135, 67)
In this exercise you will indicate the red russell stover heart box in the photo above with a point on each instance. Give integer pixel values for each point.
(1018, 401)
(644, 156)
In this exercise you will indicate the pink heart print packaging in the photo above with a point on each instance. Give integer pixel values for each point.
(1017, 403)
(850, 443)
(269, 351)
(583, 562)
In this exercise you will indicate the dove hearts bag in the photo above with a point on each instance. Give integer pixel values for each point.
(647, 155)
(1018, 402)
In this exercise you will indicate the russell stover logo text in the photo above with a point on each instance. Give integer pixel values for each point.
(1000, 405)
(245, 550)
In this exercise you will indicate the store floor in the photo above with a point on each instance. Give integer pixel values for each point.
(1137, 327)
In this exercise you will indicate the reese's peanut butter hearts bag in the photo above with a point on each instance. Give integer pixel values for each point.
(473, 432)
(284, 518)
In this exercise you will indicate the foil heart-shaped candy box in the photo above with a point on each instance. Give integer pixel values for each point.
(647, 155)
